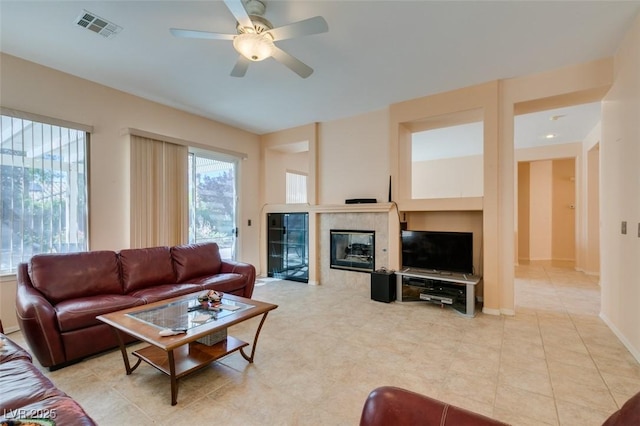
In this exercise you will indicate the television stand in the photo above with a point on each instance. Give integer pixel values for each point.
(441, 287)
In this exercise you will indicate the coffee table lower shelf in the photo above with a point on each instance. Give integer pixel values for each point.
(188, 358)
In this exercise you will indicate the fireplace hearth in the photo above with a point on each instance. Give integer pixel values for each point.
(353, 250)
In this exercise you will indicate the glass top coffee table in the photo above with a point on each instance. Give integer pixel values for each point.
(180, 354)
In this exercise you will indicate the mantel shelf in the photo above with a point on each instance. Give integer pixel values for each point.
(354, 208)
(331, 208)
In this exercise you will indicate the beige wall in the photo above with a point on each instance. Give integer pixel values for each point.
(620, 195)
(274, 147)
(588, 204)
(591, 242)
(29, 87)
(540, 213)
(279, 164)
(353, 158)
(448, 177)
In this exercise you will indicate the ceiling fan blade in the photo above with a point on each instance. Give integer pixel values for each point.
(315, 25)
(239, 12)
(295, 65)
(200, 34)
(240, 69)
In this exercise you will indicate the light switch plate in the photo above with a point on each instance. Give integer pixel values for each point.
(623, 229)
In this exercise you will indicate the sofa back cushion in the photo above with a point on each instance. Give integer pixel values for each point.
(196, 260)
(145, 267)
(67, 276)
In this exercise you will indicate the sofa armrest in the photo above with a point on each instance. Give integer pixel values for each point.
(628, 414)
(247, 270)
(38, 321)
(389, 405)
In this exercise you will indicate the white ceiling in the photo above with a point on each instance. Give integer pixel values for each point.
(376, 52)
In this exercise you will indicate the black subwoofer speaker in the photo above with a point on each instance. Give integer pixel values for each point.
(383, 286)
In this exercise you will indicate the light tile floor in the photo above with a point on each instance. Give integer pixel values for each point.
(326, 347)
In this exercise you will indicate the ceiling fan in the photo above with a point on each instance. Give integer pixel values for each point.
(256, 36)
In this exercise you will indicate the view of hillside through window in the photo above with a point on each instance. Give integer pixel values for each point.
(212, 202)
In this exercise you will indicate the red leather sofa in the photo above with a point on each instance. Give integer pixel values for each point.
(59, 296)
(388, 405)
(27, 393)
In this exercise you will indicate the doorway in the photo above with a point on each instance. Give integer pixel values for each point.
(557, 179)
(546, 207)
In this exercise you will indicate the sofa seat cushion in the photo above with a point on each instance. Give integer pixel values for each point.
(196, 260)
(165, 291)
(81, 312)
(146, 267)
(226, 283)
(23, 384)
(71, 275)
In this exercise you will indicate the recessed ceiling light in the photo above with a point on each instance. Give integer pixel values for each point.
(550, 135)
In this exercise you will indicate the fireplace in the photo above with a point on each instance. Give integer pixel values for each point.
(353, 250)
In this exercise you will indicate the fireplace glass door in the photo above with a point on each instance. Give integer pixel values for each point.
(288, 245)
(353, 250)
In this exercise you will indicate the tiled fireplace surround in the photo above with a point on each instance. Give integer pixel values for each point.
(357, 221)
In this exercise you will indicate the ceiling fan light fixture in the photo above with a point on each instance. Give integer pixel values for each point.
(255, 47)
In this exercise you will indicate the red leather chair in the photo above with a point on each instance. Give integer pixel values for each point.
(389, 405)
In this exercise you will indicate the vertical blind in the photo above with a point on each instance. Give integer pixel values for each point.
(43, 172)
(159, 193)
(296, 187)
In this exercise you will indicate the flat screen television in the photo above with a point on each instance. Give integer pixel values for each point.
(438, 251)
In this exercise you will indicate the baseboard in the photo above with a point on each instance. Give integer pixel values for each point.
(634, 352)
(13, 329)
(491, 311)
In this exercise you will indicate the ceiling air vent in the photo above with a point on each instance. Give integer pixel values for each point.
(97, 24)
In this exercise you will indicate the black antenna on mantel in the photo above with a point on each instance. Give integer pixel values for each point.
(389, 188)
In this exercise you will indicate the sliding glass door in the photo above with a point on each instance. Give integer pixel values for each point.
(213, 200)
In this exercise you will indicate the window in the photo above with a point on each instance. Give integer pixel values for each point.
(296, 188)
(212, 200)
(44, 190)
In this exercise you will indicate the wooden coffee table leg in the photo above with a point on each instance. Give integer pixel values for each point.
(174, 380)
(255, 341)
(123, 350)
